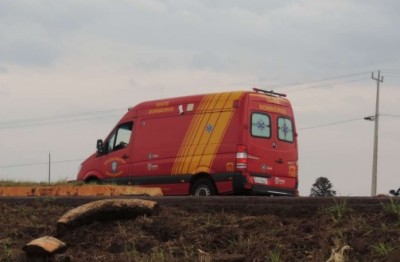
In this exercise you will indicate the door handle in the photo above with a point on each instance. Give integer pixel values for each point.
(279, 161)
(125, 156)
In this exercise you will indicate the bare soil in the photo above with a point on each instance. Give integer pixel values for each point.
(176, 233)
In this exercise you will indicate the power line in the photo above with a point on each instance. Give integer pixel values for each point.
(389, 115)
(57, 117)
(390, 70)
(318, 86)
(26, 164)
(393, 75)
(41, 163)
(321, 80)
(16, 125)
(342, 122)
(67, 161)
(332, 124)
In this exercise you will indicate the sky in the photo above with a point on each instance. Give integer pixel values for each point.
(70, 69)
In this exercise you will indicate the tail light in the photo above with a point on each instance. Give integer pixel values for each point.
(241, 158)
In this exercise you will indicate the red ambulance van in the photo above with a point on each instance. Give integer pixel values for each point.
(222, 143)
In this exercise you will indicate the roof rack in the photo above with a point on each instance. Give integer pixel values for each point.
(268, 92)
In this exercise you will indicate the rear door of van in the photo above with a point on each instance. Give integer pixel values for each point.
(286, 150)
(261, 140)
(272, 147)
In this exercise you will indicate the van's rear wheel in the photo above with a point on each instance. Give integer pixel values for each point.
(203, 187)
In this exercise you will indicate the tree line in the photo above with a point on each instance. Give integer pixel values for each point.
(324, 188)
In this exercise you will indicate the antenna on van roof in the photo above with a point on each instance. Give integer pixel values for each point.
(268, 92)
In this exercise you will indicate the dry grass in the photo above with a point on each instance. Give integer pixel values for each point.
(8, 183)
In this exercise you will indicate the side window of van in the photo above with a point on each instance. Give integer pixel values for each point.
(285, 129)
(120, 137)
(260, 125)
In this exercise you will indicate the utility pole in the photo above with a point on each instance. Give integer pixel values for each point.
(378, 80)
(49, 166)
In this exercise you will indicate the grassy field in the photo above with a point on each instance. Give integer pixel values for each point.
(176, 234)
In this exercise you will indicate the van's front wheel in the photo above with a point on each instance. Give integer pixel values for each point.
(203, 187)
(93, 180)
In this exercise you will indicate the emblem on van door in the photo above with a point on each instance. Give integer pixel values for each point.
(114, 165)
(209, 128)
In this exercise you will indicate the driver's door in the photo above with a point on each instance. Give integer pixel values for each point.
(116, 162)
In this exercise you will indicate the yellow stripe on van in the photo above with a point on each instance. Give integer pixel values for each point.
(205, 133)
(195, 137)
(182, 153)
(199, 141)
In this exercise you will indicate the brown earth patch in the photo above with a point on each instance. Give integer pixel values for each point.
(79, 190)
(177, 234)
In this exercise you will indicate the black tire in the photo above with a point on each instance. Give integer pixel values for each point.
(203, 187)
(93, 181)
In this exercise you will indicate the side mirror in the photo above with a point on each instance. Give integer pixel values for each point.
(100, 147)
(392, 192)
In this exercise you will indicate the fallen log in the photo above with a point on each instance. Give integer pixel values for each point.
(46, 245)
(106, 209)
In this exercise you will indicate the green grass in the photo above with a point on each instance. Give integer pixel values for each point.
(392, 207)
(5, 249)
(274, 255)
(9, 183)
(382, 249)
(337, 210)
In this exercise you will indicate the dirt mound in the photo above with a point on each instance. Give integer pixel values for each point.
(79, 190)
(175, 234)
